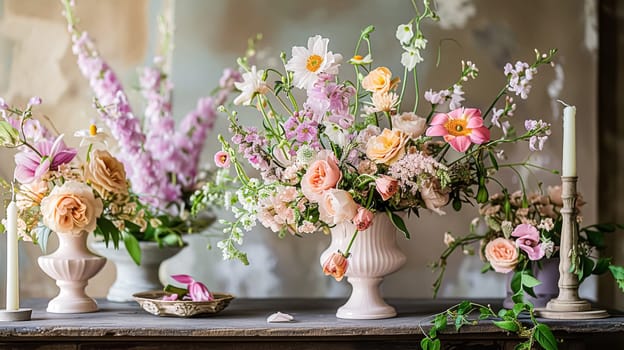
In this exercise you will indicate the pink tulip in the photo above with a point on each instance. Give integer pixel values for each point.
(197, 291)
(460, 128)
(363, 219)
(386, 186)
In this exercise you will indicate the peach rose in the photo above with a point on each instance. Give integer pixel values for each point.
(322, 175)
(502, 255)
(336, 266)
(106, 174)
(71, 208)
(379, 80)
(388, 147)
(363, 219)
(386, 186)
(409, 123)
(337, 206)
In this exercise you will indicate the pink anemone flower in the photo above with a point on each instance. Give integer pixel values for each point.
(460, 128)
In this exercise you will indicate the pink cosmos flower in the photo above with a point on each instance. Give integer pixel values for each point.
(197, 291)
(222, 159)
(31, 166)
(460, 128)
(528, 241)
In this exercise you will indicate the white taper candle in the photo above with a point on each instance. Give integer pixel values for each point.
(12, 285)
(569, 141)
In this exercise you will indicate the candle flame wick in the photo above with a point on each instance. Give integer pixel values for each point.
(563, 103)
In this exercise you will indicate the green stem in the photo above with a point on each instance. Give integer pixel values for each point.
(402, 89)
(346, 252)
(417, 96)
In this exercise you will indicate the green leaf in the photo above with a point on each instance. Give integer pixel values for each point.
(518, 308)
(545, 337)
(464, 308)
(618, 274)
(425, 344)
(516, 282)
(529, 281)
(606, 227)
(595, 238)
(510, 326)
(486, 267)
(133, 248)
(2, 228)
(493, 159)
(42, 233)
(587, 266)
(485, 313)
(398, 223)
(176, 290)
(9, 136)
(440, 321)
(459, 322)
(602, 266)
(436, 344)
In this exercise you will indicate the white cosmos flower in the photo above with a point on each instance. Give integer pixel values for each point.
(93, 134)
(307, 63)
(410, 58)
(357, 59)
(252, 83)
(336, 134)
(404, 33)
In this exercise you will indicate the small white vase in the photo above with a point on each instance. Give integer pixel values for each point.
(132, 278)
(374, 254)
(72, 265)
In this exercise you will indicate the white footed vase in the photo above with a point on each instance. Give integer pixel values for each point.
(72, 265)
(374, 254)
(132, 278)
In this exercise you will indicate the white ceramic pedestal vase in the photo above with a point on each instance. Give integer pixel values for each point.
(72, 265)
(374, 254)
(132, 278)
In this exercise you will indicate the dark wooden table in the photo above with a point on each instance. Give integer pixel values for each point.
(243, 326)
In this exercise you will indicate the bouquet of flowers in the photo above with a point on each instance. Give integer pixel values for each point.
(55, 192)
(521, 231)
(352, 149)
(162, 161)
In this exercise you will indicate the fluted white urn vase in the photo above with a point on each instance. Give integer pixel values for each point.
(72, 265)
(374, 254)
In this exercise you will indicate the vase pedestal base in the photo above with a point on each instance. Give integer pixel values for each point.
(570, 310)
(365, 302)
(15, 315)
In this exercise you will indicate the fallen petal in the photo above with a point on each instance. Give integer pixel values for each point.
(279, 317)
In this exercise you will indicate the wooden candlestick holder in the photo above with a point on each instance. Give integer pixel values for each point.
(568, 305)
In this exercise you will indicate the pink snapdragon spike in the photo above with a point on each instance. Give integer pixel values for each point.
(31, 166)
(197, 291)
(460, 128)
(528, 240)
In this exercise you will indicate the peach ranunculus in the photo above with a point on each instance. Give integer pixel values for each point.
(502, 255)
(363, 219)
(386, 186)
(322, 175)
(106, 174)
(379, 80)
(336, 266)
(71, 208)
(337, 206)
(409, 123)
(388, 147)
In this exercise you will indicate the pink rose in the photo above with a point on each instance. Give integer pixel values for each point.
(337, 206)
(386, 186)
(528, 241)
(363, 219)
(502, 255)
(322, 175)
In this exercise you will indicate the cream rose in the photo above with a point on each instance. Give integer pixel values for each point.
(378, 80)
(106, 174)
(337, 206)
(409, 123)
(433, 196)
(71, 208)
(322, 175)
(502, 255)
(388, 147)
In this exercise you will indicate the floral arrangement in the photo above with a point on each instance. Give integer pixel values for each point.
(162, 161)
(521, 231)
(56, 192)
(352, 150)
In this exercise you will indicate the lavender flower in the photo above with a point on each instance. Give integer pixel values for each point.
(520, 77)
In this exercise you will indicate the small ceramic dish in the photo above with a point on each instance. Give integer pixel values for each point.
(152, 302)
